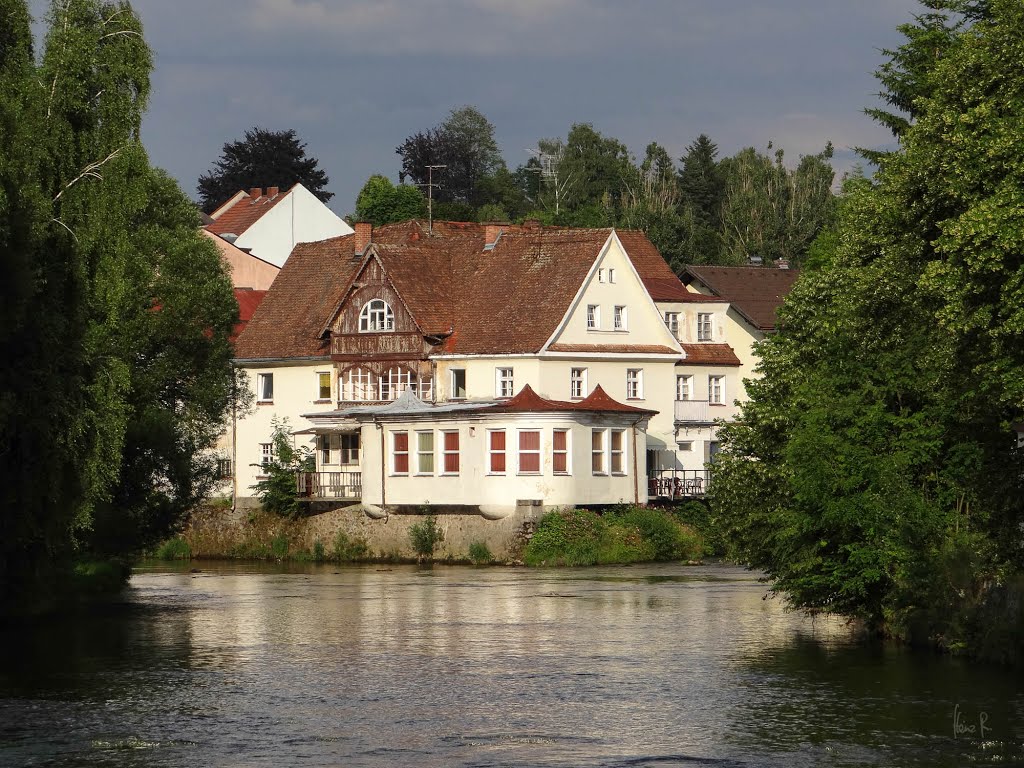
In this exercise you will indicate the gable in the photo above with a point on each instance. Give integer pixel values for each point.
(612, 282)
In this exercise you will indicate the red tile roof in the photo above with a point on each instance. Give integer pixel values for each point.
(755, 292)
(709, 354)
(598, 401)
(450, 284)
(248, 300)
(659, 279)
(245, 212)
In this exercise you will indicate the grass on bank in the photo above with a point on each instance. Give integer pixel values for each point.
(629, 534)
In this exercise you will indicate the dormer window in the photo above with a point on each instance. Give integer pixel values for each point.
(376, 315)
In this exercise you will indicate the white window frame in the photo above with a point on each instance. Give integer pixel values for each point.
(421, 453)
(445, 453)
(324, 447)
(716, 398)
(622, 453)
(350, 452)
(600, 452)
(395, 381)
(685, 446)
(567, 452)
(611, 274)
(600, 275)
(705, 326)
(320, 386)
(593, 317)
(577, 383)
(491, 452)
(358, 384)
(395, 453)
(684, 386)
(634, 383)
(504, 382)
(454, 395)
(672, 323)
(620, 318)
(539, 452)
(266, 455)
(262, 393)
(376, 316)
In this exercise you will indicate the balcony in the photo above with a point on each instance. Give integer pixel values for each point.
(329, 485)
(675, 484)
(693, 412)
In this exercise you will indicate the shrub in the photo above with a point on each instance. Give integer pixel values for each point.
(699, 518)
(480, 554)
(569, 537)
(279, 546)
(174, 549)
(318, 551)
(277, 491)
(347, 550)
(425, 536)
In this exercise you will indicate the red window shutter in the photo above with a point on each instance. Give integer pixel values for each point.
(401, 452)
(497, 451)
(559, 453)
(451, 452)
(529, 451)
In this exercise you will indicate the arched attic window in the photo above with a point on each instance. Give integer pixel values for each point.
(376, 315)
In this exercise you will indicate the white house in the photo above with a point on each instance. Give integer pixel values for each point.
(268, 223)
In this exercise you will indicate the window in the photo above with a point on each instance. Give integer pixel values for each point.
(618, 443)
(358, 384)
(703, 326)
(324, 446)
(399, 453)
(504, 386)
(395, 382)
(685, 446)
(620, 318)
(578, 383)
(323, 385)
(496, 451)
(529, 452)
(265, 387)
(376, 315)
(672, 323)
(716, 390)
(600, 275)
(634, 383)
(266, 455)
(597, 454)
(458, 384)
(684, 387)
(425, 453)
(224, 468)
(450, 449)
(350, 448)
(593, 317)
(560, 451)
(611, 274)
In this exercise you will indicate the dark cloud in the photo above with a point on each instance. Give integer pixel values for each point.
(355, 78)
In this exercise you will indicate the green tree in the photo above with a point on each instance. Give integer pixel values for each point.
(278, 491)
(701, 184)
(874, 473)
(101, 251)
(381, 202)
(262, 159)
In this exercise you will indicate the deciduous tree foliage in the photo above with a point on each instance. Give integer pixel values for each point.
(262, 159)
(381, 202)
(116, 313)
(874, 472)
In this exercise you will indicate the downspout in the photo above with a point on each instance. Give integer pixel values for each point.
(383, 467)
(234, 439)
(636, 479)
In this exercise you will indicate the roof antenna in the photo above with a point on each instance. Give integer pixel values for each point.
(430, 195)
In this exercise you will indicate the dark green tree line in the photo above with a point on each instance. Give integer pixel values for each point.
(875, 472)
(116, 314)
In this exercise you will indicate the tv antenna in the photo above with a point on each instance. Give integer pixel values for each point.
(430, 194)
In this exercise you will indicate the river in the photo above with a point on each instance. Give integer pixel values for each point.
(654, 665)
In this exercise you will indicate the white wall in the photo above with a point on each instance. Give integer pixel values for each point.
(299, 218)
(475, 485)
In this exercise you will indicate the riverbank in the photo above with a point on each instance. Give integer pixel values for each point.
(348, 534)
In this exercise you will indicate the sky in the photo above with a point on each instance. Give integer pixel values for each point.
(354, 79)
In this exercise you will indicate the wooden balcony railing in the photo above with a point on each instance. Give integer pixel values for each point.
(694, 411)
(329, 485)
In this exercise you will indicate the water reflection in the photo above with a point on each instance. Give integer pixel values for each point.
(653, 665)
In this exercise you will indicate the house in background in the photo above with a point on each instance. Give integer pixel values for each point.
(268, 223)
(247, 271)
(466, 316)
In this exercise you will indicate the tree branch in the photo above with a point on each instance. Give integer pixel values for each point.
(90, 171)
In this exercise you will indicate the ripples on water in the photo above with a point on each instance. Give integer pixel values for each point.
(396, 666)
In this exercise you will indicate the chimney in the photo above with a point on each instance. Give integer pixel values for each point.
(363, 237)
(255, 192)
(492, 231)
(272, 192)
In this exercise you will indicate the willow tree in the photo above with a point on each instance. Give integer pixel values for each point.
(875, 471)
(116, 318)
